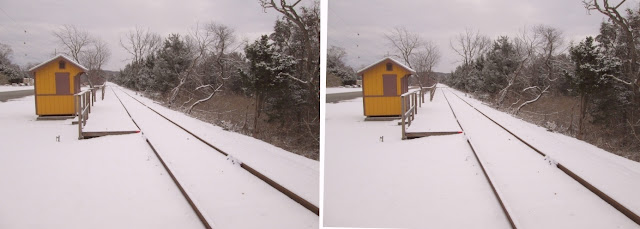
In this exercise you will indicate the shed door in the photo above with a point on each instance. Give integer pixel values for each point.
(62, 83)
(390, 85)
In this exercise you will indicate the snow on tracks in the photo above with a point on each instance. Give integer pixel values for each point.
(533, 188)
(228, 196)
(431, 182)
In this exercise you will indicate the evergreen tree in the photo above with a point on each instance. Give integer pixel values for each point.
(172, 60)
(268, 80)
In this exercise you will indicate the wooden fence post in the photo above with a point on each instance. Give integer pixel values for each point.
(79, 114)
(402, 117)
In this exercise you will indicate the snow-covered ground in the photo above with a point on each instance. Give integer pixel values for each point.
(334, 90)
(431, 182)
(107, 182)
(435, 182)
(117, 182)
(4, 88)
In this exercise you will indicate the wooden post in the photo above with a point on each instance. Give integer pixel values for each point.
(414, 99)
(421, 97)
(79, 115)
(433, 92)
(88, 95)
(404, 136)
(415, 102)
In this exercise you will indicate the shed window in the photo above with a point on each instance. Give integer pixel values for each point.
(389, 67)
(61, 65)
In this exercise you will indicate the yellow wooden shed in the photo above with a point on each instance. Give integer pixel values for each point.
(382, 84)
(56, 81)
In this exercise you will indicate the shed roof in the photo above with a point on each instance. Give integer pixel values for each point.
(383, 60)
(55, 58)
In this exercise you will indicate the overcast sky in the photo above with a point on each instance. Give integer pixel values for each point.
(110, 19)
(359, 25)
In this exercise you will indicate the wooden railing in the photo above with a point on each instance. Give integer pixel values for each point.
(99, 87)
(84, 101)
(410, 102)
(432, 92)
(83, 108)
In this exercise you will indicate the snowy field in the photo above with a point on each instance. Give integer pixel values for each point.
(335, 90)
(117, 182)
(4, 88)
(435, 182)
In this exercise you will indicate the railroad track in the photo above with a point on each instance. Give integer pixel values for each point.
(298, 199)
(608, 199)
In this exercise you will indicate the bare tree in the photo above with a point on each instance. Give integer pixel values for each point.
(140, 43)
(336, 54)
(5, 53)
(469, 45)
(73, 40)
(525, 43)
(197, 42)
(425, 60)
(405, 43)
(221, 40)
(83, 48)
(94, 57)
(97, 54)
(547, 42)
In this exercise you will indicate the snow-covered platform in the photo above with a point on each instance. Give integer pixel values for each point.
(108, 117)
(434, 118)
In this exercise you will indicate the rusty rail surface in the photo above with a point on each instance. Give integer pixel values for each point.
(615, 204)
(298, 199)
